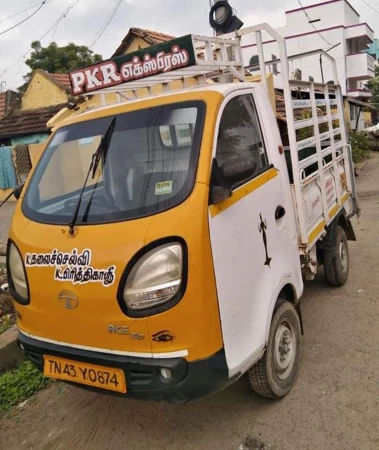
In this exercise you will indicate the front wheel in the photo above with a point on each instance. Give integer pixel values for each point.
(274, 375)
(336, 260)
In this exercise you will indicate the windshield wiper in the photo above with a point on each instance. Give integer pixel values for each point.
(101, 151)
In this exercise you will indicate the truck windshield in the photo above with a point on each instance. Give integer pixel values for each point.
(150, 166)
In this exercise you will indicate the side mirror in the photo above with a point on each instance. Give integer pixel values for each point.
(18, 189)
(237, 169)
(217, 192)
(231, 172)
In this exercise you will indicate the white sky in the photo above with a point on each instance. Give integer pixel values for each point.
(177, 17)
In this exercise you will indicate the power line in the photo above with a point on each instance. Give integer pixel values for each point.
(105, 25)
(60, 18)
(24, 10)
(310, 21)
(55, 30)
(374, 9)
(63, 16)
(55, 24)
(27, 18)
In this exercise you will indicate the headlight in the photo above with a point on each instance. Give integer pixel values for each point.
(155, 279)
(17, 276)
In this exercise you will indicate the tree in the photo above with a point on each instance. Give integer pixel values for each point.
(55, 59)
(373, 85)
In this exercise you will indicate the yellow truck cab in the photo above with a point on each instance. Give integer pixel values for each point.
(159, 247)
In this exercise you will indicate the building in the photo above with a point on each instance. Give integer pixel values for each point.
(26, 121)
(8, 100)
(23, 125)
(333, 26)
(373, 50)
(139, 38)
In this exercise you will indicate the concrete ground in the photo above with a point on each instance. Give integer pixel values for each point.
(6, 214)
(334, 404)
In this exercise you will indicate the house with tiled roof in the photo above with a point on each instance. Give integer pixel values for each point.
(63, 79)
(24, 126)
(45, 95)
(46, 89)
(139, 38)
(8, 100)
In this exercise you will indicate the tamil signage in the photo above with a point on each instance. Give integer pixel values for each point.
(161, 58)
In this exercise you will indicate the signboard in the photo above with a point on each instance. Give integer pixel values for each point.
(161, 58)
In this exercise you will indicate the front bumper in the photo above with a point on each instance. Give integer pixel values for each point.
(190, 380)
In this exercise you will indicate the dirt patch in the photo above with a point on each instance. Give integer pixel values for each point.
(254, 444)
(7, 311)
(369, 194)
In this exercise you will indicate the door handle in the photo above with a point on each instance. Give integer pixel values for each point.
(279, 212)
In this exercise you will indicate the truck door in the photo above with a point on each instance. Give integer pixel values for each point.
(249, 237)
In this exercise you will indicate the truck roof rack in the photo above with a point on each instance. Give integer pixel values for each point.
(190, 56)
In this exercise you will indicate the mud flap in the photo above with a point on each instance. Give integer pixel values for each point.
(350, 234)
(298, 310)
(330, 238)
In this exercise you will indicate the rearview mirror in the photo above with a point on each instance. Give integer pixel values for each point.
(237, 169)
(233, 171)
(17, 191)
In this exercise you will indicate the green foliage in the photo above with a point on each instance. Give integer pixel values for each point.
(19, 384)
(5, 323)
(306, 132)
(360, 145)
(55, 59)
(7, 312)
(373, 85)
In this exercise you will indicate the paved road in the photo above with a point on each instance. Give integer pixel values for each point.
(334, 404)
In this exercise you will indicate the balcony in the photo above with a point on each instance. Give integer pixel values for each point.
(361, 31)
(355, 93)
(360, 66)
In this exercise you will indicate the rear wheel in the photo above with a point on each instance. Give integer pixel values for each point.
(274, 375)
(336, 260)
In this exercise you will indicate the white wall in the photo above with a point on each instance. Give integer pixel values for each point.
(301, 37)
(354, 112)
(310, 66)
(331, 14)
(351, 17)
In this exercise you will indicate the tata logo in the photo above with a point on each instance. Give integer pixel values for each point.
(68, 299)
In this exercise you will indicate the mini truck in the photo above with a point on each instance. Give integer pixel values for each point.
(159, 247)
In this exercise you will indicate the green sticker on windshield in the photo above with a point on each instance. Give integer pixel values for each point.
(164, 187)
(86, 141)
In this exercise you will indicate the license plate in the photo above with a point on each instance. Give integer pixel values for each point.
(90, 374)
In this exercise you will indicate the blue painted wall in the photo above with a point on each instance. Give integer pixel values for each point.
(373, 50)
(30, 139)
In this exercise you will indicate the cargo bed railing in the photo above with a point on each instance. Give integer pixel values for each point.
(324, 97)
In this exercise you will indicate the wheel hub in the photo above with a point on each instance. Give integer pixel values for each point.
(285, 350)
(343, 256)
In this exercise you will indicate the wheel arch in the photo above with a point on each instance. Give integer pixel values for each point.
(341, 220)
(286, 291)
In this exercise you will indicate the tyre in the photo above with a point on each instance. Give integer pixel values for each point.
(336, 260)
(275, 373)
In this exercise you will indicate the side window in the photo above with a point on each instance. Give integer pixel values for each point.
(240, 134)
